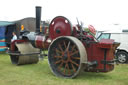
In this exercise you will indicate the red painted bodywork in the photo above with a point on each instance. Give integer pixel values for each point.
(13, 47)
(42, 42)
(61, 25)
(96, 52)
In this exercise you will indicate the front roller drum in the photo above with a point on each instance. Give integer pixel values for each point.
(24, 53)
(66, 56)
(22, 60)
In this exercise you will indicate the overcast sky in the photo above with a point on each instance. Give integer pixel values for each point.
(100, 13)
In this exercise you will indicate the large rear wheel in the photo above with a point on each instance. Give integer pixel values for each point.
(66, 55)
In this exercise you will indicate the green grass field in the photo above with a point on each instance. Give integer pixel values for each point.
(40, 74)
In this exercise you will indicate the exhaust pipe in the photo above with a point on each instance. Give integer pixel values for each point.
(38, 19)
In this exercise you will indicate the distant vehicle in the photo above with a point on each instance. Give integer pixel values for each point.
(119, 36)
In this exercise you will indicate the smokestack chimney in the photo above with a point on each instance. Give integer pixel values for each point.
(38, 19)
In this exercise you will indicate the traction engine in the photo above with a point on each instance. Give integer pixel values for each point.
(70, 48)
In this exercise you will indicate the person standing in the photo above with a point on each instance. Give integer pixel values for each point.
(14, 37)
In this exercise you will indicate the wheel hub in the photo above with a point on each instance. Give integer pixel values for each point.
(65, 57)
(122, 58)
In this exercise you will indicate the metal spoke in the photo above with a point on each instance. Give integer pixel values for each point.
(58, 56)
(58, 61)
(57, 51)
(69, 72)
(61, 48)
(64, 44)
(78, 58)
(74, 63)
(74, 53)
(67, 47)
(65, 68)
(73, 68)
(59, 67)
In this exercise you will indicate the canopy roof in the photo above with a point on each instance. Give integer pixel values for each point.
(6, 23)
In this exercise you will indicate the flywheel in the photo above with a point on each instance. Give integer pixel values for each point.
(66, 56)
(60, 26)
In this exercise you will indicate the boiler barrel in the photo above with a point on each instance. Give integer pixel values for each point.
(38, 41)
(42, 42)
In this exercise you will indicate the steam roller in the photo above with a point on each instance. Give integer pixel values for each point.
(28, 48)
(71, 49)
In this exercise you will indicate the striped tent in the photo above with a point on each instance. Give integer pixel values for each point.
(5, 31)
(2, 39)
